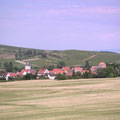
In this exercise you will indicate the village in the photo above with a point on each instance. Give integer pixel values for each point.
(67, 71)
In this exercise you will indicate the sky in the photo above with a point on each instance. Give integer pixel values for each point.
(60, 24)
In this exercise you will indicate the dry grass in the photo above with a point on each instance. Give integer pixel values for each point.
(6, 56)
(88, 99)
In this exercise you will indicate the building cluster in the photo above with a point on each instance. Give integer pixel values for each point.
(94, 69)
(50, 74)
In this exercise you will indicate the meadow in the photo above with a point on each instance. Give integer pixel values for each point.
(83, 99)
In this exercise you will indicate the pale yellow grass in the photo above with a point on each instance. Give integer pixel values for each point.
(84, 99)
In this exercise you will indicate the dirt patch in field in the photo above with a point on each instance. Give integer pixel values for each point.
(32, 59)
(6, 56)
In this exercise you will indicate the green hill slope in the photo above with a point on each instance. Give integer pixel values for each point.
(40, 58)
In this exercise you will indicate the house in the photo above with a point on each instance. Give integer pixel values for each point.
(85, 71)
(3, 75)
(57, 71)
(94, 69)
(50, 74)
(11, 75)
(77, 69)
(27, 71)
(102, 65)
(65, 68)
(43, 71)
(69, 72)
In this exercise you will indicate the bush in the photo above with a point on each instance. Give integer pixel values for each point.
(86, 75)
(29, 76)
(51, 67)
(43, 77)
(61, 77)
(61, 64)
(3, 80)
(111, 75)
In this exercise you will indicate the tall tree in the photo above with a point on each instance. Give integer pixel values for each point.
(0, 65)
(19, 53)
(87, 65)
(61, 64)
(51, 67)
(16, 56)
(9, 66)
(34, 52)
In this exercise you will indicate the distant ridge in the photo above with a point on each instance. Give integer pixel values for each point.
(113, 51)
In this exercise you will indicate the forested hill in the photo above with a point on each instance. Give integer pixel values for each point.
(40, 58)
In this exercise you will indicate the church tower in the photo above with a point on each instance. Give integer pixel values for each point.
(27, 66)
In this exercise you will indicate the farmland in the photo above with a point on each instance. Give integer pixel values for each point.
(84, 99)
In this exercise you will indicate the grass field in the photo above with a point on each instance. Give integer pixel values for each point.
(88, 99)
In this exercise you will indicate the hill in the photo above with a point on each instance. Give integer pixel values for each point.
(39, 58)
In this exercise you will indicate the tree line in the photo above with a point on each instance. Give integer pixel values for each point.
(29, 53)
(10, 67)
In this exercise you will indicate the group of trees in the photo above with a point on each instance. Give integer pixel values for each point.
(33, 77)
(22, 54)
(51, 67)
(112, 70)
(60, 65)
(10, 67)
(77, 75)
(30, 76)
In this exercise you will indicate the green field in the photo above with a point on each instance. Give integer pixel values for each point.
(84, 99)
(70, 57)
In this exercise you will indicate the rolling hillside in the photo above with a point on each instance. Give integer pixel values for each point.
(40, 58)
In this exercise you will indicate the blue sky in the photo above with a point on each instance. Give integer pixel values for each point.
(61, 24)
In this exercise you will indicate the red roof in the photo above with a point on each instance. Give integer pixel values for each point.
(66, 68)
(84, 71)
(51, 71)
(28, 71)
(3, 74)
(12, 74)
(102, 63)
(57, 71)
(94, 67)
(41, 71)
(69, 74)
(78, 69)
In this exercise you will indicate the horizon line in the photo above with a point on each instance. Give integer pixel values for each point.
(102, 50)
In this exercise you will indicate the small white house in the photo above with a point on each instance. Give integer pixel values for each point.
(43, 71)
(10, 75)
